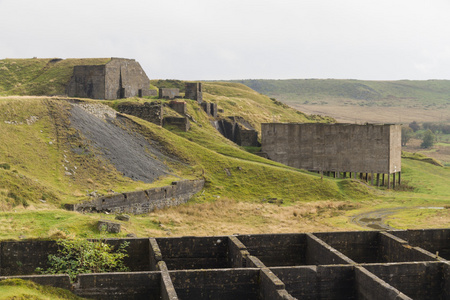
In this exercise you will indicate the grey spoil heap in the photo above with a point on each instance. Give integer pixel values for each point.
(412, 264)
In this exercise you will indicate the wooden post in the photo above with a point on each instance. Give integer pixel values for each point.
(378, 179)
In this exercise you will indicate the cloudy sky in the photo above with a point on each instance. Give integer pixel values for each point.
(239, 39)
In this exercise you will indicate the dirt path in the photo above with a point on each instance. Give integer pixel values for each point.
(376, 219)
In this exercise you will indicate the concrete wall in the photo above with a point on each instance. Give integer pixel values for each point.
(193, 90)
(266, 266)
(87, 82)
(119, 78)
(149, 111)
(334, 147)
(178, 106)
(125, 78)
(166, 93)
(144, 201)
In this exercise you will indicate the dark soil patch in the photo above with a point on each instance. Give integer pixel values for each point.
(130, 152)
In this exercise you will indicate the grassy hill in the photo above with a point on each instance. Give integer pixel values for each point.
(39, 76)
(40, 145)
(369, 93)
(359, 101)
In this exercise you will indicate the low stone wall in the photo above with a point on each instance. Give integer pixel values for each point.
(144, 201)
(149, 111)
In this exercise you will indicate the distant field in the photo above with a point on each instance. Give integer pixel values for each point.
(374, 114)
(361, 101)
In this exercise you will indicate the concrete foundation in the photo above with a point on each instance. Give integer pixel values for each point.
(338, 265)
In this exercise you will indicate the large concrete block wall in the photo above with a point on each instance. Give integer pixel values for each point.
(140, 202)
(334, 147)
(251, 267)
(87, 82)
(118, 78)
(125, 78)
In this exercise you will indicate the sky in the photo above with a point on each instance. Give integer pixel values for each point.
(239, 39)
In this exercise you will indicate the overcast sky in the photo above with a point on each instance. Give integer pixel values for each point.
(239, 39)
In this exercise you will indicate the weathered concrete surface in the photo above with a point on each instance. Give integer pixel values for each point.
(167, 93)
(118, 78)
(193, 90)
(181, 122)
(255, 267)
(144, 201)
(334, 147)
(149, 111)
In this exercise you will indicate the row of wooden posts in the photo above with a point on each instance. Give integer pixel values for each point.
(374, 178)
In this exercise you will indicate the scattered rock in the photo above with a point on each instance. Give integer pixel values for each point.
(108, 226)
(239, 168)
(132, 235)
(68, 174)
(125, 218)
(228, 172)
(43, 201)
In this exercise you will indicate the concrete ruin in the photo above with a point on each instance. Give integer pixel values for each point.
(193, 90)
(168, 93)
(139, 202)
(370, 150)
(118, 78)
(410, 264)
(238, 130)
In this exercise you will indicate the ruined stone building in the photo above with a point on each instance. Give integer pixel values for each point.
(365, 149)
(118, 78)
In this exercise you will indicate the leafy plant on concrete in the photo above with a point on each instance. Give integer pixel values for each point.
(77, 256)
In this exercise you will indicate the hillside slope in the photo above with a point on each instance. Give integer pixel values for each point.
(363, 101)
(39, 76)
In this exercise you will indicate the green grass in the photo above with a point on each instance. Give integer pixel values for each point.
(429, 93)
(39, 76)
(421, 157)
(22, 289)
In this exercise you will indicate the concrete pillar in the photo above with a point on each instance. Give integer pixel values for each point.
(378, 179)
(354, 175)
(382, 182)
(371, 178)
(344, 174)
(389, 181)
(399, 178)
(393, 180)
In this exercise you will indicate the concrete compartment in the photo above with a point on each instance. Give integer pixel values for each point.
(236, 284)
(194, 252)
(436, 241)
(372, 247)
(420, 281)
(322, 282)
(111, 286)
(289, 250)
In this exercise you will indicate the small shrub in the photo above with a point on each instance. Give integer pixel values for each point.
(77, 256)
(5, 166)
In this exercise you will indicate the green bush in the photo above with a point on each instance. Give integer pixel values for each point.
(77, 256)
(5, 166)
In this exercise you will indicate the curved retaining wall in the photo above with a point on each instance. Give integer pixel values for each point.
(143, 201)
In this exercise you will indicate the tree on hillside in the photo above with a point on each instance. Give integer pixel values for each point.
(414, 126)
(407, 134)
(428, 139)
